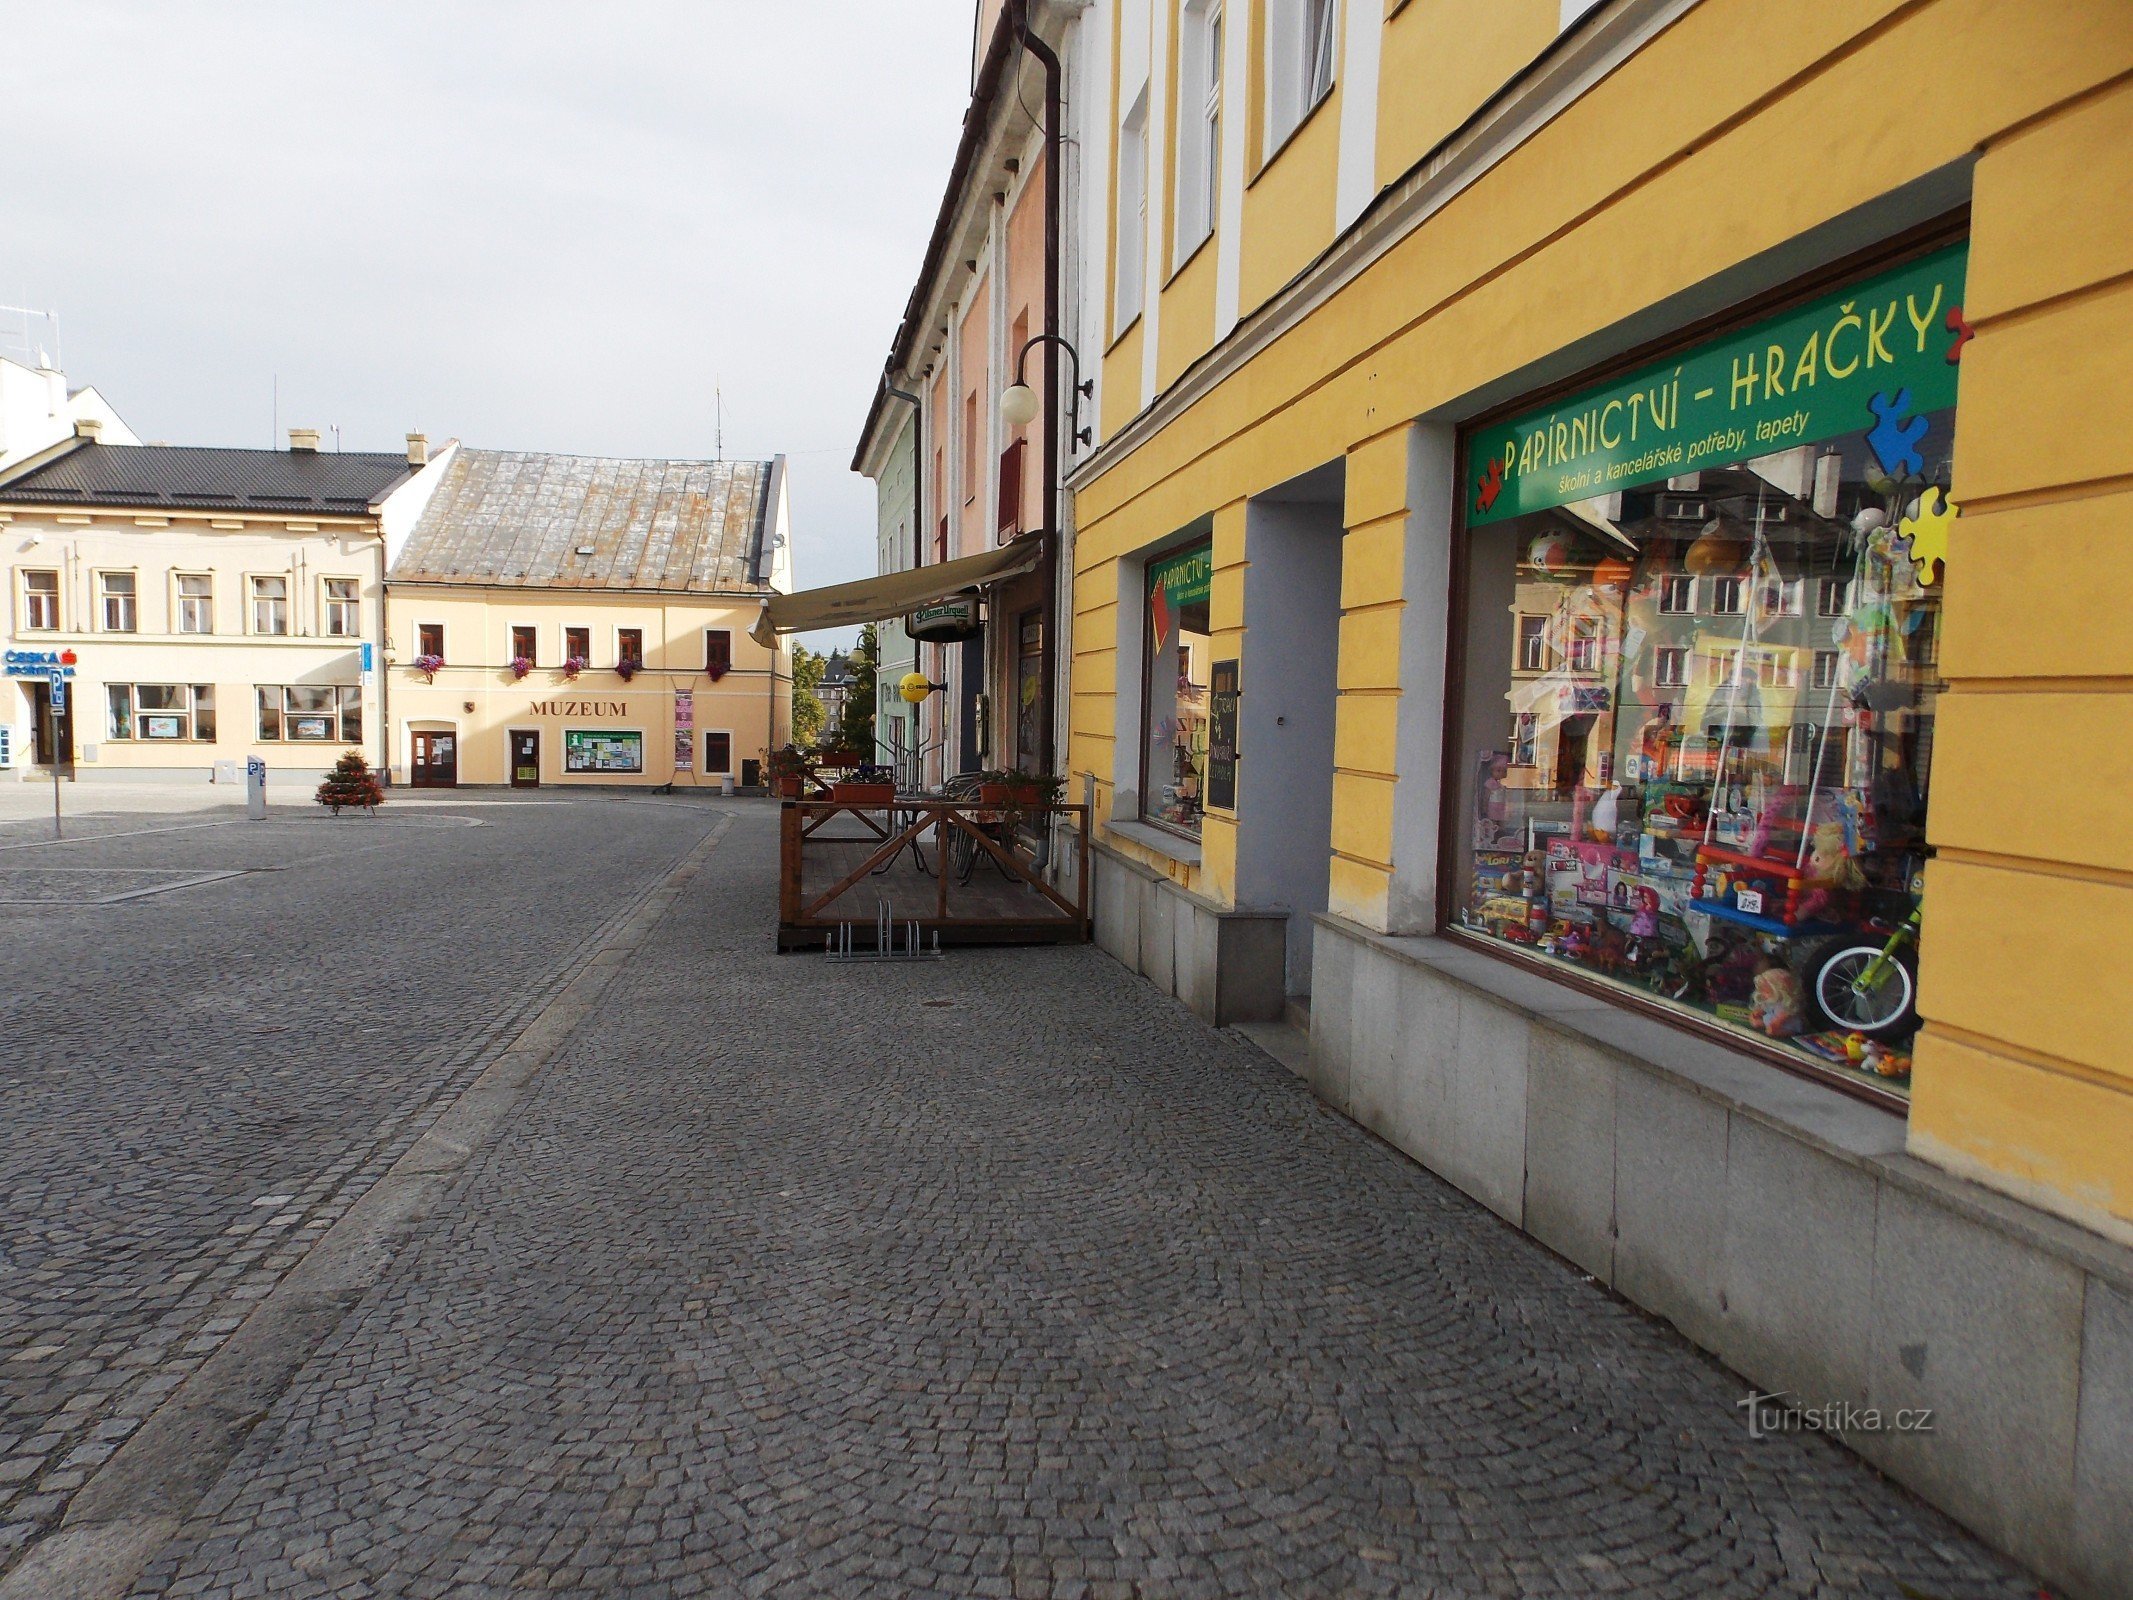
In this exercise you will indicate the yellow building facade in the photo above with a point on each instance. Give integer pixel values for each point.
(1379, 601)
(573, 621)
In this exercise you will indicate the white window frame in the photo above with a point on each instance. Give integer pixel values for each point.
(644, 650)
(330, 607)
(1682, 583)
(126, 605)
(254, 600)
(34, 601)
(1670, 667)
(1826, 668)
(1199, 117)
(1529, 637)
(198, 697)
(510, 640)
(1841, 589)
(347, 700)
(183, 606)
(1129, 265)
(1302, 56)
(710, 770)
(1721, 596)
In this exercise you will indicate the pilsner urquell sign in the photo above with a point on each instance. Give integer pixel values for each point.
(1867, 360)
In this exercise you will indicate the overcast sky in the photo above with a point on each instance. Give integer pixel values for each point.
(532, 226)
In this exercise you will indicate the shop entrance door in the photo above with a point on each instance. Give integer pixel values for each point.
(525, 758)
(436, 761)
(54, 743)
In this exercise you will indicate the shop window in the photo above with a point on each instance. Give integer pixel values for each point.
(120, 594)
(629, 646)
(1719, 809)
(343, 598)
(311, 713)
(718, 653)
(196, 602)
(270, 605)
(718, 751)
(429, 639)
(160, 712)
(1174, 702)
(577, 644)
(522, 642)
(40, 601)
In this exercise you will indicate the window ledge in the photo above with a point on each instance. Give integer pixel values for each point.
(1119, 337)
(1190, 256)
(1310, 116)
(1160, 840)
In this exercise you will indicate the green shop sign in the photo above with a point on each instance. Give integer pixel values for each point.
(1869, 359)
(1185, 577)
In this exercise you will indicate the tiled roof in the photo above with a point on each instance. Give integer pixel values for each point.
(516, 517)
(181, 477)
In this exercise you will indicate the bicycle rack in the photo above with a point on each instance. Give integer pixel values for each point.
(840, 945)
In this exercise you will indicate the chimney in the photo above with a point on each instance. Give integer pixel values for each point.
(89, 428)
(303, 440)
(418, 449)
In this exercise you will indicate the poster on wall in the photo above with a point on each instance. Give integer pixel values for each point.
(1222, 736)
(684, 730)
(602, 750)
(310, 728)
(162, 727)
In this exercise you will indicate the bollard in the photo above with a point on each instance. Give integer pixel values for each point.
(255, 788)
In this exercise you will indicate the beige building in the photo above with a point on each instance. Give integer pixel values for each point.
(583, 620)
(197, 606)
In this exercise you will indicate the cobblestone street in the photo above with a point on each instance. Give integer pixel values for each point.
(996, 1276)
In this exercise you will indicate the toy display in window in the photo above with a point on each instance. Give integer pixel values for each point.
(1706, 774)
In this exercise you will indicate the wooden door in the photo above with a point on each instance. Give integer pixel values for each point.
(436, 760)
(53, 740)
(525, 758)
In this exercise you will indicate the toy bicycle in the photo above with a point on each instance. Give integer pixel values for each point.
(1873, 990)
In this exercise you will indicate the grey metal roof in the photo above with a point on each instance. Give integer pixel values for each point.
(182, 477)
(518, 517)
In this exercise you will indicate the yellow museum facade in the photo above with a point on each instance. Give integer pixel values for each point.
(572, 621)
(1592, 599)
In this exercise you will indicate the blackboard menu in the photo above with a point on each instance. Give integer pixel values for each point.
(1222, 736)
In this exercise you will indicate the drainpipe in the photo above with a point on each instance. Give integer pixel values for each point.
(385, 679)
(1049, 563)
(918, 529)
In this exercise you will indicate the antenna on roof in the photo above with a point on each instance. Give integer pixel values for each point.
(274, 433)
(718, 424)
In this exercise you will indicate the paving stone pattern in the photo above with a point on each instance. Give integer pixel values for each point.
(197, 1084)
(1001, 1276)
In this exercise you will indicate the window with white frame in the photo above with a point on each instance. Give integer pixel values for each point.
(270, 605)
(1300, 36)
(343, 607)
(1199, 105)
(1726, 596)
(160, 712)
(1670, 667)
(196, 602)
(316, 713)
(1132, 227)
(118, 594)
(1677, 594)
(1826, 668)
(40, 600)
(1833, 597)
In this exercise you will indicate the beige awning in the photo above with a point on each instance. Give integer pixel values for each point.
(892, 594)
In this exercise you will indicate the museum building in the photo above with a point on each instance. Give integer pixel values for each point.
(560, 620)
(1590, 575)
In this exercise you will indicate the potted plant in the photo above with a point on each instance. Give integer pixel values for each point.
(1013, 792)
(428, 666)
(351, 783)
(788, 770)
(521, 665)
(626, 668)
(869, 785)
(572, 666)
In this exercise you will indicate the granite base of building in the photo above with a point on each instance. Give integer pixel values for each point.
(1225, 964)
(1775, 1222)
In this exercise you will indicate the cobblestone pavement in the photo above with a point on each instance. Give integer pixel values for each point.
(198, 1080)
(997, 1276)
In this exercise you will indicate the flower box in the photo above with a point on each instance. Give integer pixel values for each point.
(863, 794)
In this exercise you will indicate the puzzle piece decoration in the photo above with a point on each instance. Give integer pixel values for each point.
(1491, 484)
(1894, 440)
(1927, 535)
(1963, 332)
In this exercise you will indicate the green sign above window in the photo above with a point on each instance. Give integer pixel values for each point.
(1869, 359)
(1185, 577)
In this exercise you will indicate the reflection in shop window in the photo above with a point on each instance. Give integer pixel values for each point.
(1174, 702)
(1711, 803)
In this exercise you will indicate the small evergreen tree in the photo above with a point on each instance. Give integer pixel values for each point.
(858, 729)
(351, 783)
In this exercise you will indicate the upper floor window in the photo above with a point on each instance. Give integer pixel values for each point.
(40, 600)
(970, 447)
(343, 620)
(1132, 228)
(121, 601)
(196, 603)
(718, 652)
(429, 639)
(270, 605)
(522, 642)
(629, 645)
(1199, 121)
(1833, 597)
(1299, 64)
(1677, 594)
(577, 645)
(1532, 644)
(1726, 596)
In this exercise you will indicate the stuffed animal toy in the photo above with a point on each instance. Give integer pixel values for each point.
(1831, 874)
(1776, 1007)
